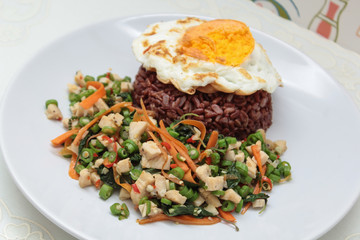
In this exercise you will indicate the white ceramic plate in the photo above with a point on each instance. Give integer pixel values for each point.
(312, 112)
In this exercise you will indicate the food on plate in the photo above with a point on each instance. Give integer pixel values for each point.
(214, 69)
(179, 172)
(52, 110)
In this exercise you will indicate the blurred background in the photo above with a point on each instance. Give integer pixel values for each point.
(336, 20)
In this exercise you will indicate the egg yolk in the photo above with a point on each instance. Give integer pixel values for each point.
(225, 41)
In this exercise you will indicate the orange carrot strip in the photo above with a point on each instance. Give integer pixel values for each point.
(93, 98)
(257, 190)
(188, 177)
(92, 122)
(256, 153)
(63, 137)
(212, 140)
(127, 186)
(72, 173)
(184, 219)
(226, 215)
(137, 117)
(197, 124)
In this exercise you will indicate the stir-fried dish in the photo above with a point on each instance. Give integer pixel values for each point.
(180, 172)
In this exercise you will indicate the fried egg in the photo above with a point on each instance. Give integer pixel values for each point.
(209, 56)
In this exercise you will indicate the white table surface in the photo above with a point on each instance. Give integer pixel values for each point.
(27, 25)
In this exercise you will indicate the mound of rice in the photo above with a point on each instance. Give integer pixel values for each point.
(230, 114)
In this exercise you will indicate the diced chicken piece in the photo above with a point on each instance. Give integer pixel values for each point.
(123, 166)
(203, 172)
(104, 140)
(251, 167)
(240, 157)
(144, 179)
(53, 112)
(91, 88)
(154, 210)
(79, 79)
(175, 196)
(65, 123)
(74, 88)
(150, 150)
(111, 148)
(153, 120)
(136, 129)
(248, 148)
(215, 183)
(106, 121)
(270, 144)
(124, 194)
(200, 200)
(84, 179)
(210, 208)
(101, 104)
(160, 184)
(280, 146)
(116, 77)
(230, 155)
(117, 118)
(98, 163)
(234, 146)
(210, 198)
(156, 162)
(258, 203)
(197, 134)
(95, 179)
(231, 195)
(73, 148)
(105, 80)
(79, 111)
(264, 157)
(263, 134)
(126, 87)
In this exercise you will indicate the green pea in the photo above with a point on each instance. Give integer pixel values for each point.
(51, 101)
(215, 158)
(105, 191)
(108, 130)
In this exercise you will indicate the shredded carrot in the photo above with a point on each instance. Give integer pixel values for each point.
(188, 177)
(72, 173)
(63, 137)
(285, 179)
(127, 186)
(226, 215)
(212, 140)
(114, 108)
(257, 190)
(184, 219)
(197, 124)
(256, 153)
(137, 117)
(107, 163)
(93, 98)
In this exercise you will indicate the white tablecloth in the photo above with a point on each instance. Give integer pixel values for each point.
(27, 25)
